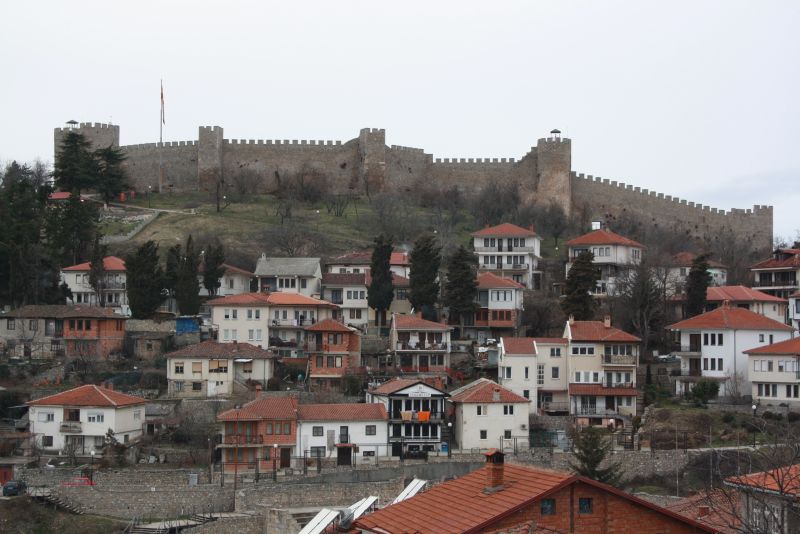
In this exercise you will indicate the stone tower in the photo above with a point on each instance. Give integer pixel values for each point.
(209, 157)
(98, 134)
(372, 156)
(554, 164)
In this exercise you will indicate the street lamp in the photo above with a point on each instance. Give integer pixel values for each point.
(449, 439)
(754, 407)
(91, 469)
(149, 190)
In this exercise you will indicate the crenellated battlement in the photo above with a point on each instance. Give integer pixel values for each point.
(299, 142)
(165, 144)
(90, 125)
(407, 149)
(483, 161)
(554, 140)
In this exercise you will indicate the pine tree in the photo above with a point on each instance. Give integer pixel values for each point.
(173, 265)
(581, 280)
(697, 286)
(213, 269)
(424, 277)
(380, 292)
(70, 230)
(111, 177)
(144, 280)
(187, 286)
(97, 272)
(75, 167)
(461, 287)
(591, 447)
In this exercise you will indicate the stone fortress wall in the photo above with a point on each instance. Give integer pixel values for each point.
(366, 164)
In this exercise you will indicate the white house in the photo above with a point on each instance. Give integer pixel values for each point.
(343, 430)
(114, 291)
(500, 306)
(775, 373)
(614, 255)
(289, 275)
(212, 369)
(779, 274)
(417, 413)
(741, 297)
(681, 264)
(349, 291)
(509, 251)
(419, 345)
(234, 281)
(794, 310)
(77, 420)
(537, 369)
(487, 415)
(713, 345)
(359, 263)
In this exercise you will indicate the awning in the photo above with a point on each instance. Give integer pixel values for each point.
(243, 360)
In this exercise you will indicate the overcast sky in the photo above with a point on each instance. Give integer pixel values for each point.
(695, 99)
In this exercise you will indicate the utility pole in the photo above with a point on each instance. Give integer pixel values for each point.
(677, 471)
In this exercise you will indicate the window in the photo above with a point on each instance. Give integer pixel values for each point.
(371, 430)
(11, 325)
(258, 334)
(96, 417)
(287, 428)
(45, 417)
(47, 441)
(585, 505)
(760, 338)
(540, 374)
(247, 367)
(197, 386)
(719, 339)
(554, 372)
(317, 452)
(526, 373)
(555, 352)
(234, 334)
(719, 364)
(548, 507)
(226, 334)
(316, 431)
(401, 294)
(505, 372)
(355, 314)
(178, 386)
(482, 409)
(303, 283)
(33, 324)
(508, 409)
(227, 314)
(526, 393)
(197, 367)
(178, 368)
(705, 339)
(713, 364)
(249, 314)
(705, 364)
(234, 313)
(268, 428)
(506, 434)
(250, 335)
(483, 434)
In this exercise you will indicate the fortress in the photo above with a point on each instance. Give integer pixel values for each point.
(367, 165)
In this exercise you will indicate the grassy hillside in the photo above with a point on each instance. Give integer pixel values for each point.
(22, 515)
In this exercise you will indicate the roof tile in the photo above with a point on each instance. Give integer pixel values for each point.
(412, 322)
(483, 391)
(266, 407)
(215, 350)
(342, 412)
(88, 395)
(603, 236)
(491, 281)
(729, 318)
(505, 229)
(597, 331)
(110, 263)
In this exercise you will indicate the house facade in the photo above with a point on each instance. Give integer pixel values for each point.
(213, 369)
(681, 264)
(713, 346)
(350, 433)
(775, 374)
(778, 275)
(234, 281)
(602, 372)
(349, 292)
(537, 369)
(416, 411)
(794, 310)
(419, 345)
(613, 254)
(489, 415)
(289, 275)
(60, 331)
(762, 303)
(500, 306)
(334, 351)
(359, 262)
(259, 436)
(77, 421)
(113, 290)
(509, 251)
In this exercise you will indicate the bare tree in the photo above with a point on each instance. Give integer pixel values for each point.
(246, 182)
(292, 240)
(337, 204)
(734, 386)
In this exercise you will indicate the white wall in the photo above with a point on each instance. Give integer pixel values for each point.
(357, 431)
(469, 425)
(121, 420)
(238, 327)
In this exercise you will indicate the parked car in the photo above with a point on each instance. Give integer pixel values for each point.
(78, 481)
(13, 487)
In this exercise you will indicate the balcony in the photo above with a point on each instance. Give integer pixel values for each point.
(619, 359)
(592, 410)
(555, 406)
(687, 349)
(243, 439)
(612, 384)
(415, 417)
(421, 345)
(70, 427)
(291, 323)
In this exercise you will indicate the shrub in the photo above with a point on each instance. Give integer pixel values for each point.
(728, 418)
(792, 417)
(705, 390)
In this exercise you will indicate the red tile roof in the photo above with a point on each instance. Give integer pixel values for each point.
(596, 389)
(412, 322)
(729, 318)
(228, 269)
(214, 350)
(783, 480)
(266, 407)
(462, 505)
(59, 195)
(518, 345)
(491, 281)
(552, 340)
(685, 259)
(739, 294)
(482, 391)
(88, 395)
(597, 331)
(110, 263)
(365, 258)
(400, 258)
(344, 279)
(393, 386)
(269, 299)
(342, 412)
(397, 280)
(62, 311)
(790, 347)
(716, 509)
(505, 230)
(329, 325)
(792, 261)
(603, 237)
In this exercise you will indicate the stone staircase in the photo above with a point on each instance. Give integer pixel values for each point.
(46, 497)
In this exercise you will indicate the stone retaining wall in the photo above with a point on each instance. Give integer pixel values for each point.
(143, 478)
(261, 498)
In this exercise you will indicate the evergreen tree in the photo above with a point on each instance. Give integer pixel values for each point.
(75, 167)
(70, 229)
(591, 447)
(380, 292)
(424, 277)
(173, 265)
(697, 286)
(111, 177)
(212, 268)
(187, 286)
(461, 287)
(581, 280)
(144, 280)
(97, 272)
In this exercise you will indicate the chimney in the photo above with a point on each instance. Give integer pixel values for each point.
(702, 511)
(110, 385)
(494, 471)
(532, 228)
(496, 394)
(571, 319)
(259, 391)
(607, 321)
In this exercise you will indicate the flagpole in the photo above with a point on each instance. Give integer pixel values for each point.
(161, 141)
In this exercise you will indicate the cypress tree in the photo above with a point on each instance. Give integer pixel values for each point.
(424, 284)
(144, 280)
(581, 280)
(697, 286)
(380, 292)
(461, 288)
(111, 177)
(173, 265)
(212, 268)
(187, 286)
(97, 271)
(75, 167)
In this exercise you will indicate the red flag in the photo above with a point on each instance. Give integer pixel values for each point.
(162, 103)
